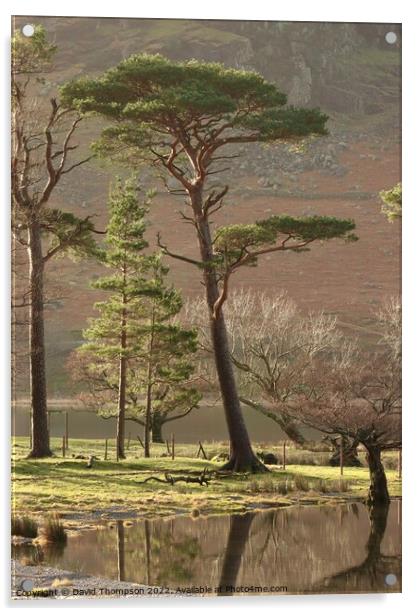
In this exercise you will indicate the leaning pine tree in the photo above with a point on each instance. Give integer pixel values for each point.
(184, 118)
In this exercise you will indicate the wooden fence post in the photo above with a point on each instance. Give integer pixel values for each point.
(173, 446)
(200, 448)
(66, 429)
(106, 448)
(341, 455)
(63, 445)
(284, 455)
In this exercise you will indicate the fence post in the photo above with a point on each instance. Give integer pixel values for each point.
(284, 455)
(63, 445)
(117, 450)
(341, 455)
(173, 446)
(106, 448)
(66, 429)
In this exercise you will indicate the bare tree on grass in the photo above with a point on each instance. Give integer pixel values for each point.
(357, 395)
(43, 147)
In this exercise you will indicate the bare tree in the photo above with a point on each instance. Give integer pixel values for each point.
(271, 343)
(357, 394)
(42, 147)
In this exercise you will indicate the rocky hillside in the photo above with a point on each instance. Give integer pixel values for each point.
(349, 70)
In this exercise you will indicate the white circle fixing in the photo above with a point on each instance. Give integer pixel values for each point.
(28, 30)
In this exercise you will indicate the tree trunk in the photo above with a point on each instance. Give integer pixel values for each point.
(122, 386)
(350, 453)
(378, 492)
(37, 371)
(157, 428)
(148, 409)
(242, 457)
(147, 424)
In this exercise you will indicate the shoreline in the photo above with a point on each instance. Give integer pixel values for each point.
(43, 582)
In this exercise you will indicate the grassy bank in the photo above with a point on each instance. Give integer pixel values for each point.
(67, 486)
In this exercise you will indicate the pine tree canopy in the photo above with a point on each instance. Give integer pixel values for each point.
(206, 103)
(241, 244)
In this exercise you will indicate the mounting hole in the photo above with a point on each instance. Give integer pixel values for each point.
(391, 38)
(390, 579)
(28, 30)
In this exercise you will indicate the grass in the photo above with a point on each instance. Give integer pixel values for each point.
(53, 531)
(66, 486)
(24, 527)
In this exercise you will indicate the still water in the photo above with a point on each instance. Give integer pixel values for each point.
(343, 548)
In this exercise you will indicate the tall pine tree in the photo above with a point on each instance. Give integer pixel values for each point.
(135, 359)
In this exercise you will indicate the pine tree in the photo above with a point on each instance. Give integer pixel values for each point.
(184, 118)
(134, 360)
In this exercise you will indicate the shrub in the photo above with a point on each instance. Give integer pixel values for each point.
(53, 531)
(24, 527)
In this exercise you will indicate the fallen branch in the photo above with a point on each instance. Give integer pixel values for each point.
(203, 479)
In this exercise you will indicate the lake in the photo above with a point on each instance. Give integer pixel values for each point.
(299, 549)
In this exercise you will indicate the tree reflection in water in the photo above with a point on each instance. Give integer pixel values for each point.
(237, 539)
(120, 547)
(371, 574)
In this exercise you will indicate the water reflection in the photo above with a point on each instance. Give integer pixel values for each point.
(376, 566)
(343, 548)
(237, 539)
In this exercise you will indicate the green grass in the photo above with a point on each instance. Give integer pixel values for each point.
(66, 486)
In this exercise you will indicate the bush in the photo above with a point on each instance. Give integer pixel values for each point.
(24, 527)
(53, 531)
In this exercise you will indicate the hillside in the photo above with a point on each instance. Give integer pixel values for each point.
(347, 69)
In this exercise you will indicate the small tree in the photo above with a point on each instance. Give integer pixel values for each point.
(183, 118)
(392, 202)
(134, 361)
(42, 154)
(358, 395)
